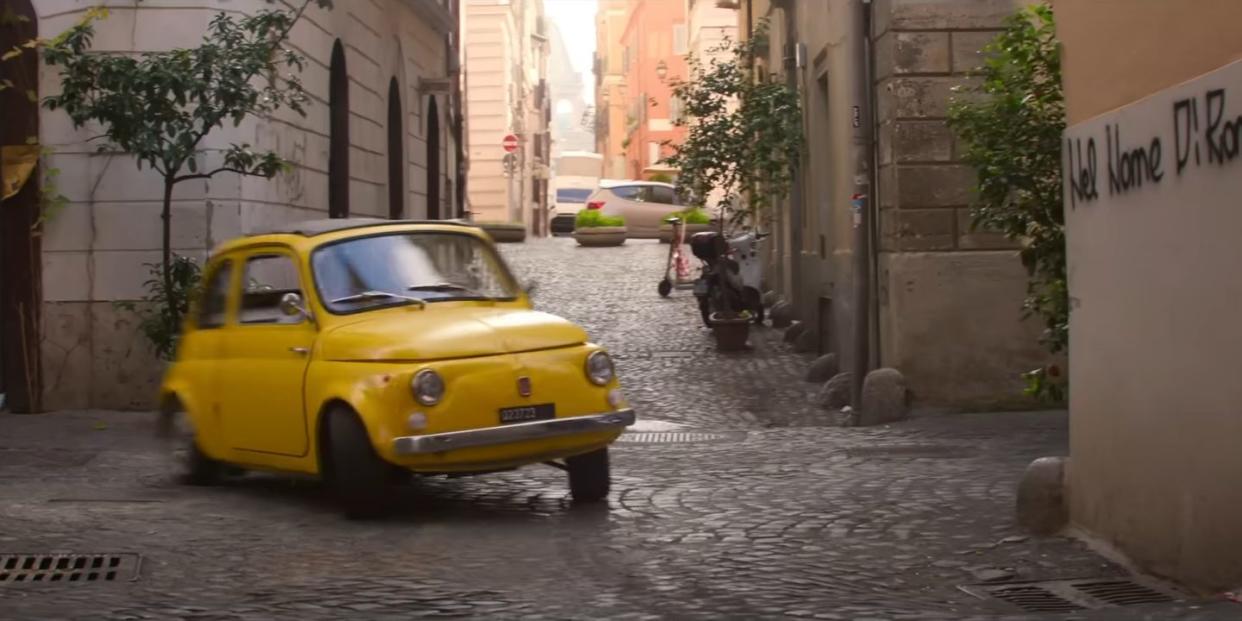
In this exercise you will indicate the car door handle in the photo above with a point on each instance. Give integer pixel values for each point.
(300, 350)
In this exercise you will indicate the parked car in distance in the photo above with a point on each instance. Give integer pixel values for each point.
(643, 204)
(569, 201)
(362, 350)
(575, 175)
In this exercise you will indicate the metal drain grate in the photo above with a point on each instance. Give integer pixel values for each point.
(75, 568)
(1074, 595)
(1122, 592)
(677, 437)
(1035, 599)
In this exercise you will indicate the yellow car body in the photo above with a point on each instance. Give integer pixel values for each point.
(255, 386)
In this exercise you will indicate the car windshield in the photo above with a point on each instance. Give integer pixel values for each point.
(408, 268)
(572, 195)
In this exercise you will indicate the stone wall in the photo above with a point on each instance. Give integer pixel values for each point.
(96, 248)
(949, 296)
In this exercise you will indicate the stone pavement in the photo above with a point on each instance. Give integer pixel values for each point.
(758, 510)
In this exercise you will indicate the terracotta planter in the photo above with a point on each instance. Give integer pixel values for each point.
(731, 333)
(504, 233)
(601, 236)
(666, 231)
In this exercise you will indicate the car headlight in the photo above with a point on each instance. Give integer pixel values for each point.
(427, 386)
(599, 368)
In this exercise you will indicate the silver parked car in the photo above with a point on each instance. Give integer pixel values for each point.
(643, 204)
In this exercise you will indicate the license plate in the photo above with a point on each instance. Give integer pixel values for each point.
(528, 413)
(700, 287)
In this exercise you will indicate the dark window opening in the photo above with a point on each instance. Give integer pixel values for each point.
(433, 160)
(396, 154)
(338, 134)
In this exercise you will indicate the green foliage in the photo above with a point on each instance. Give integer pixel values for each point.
(692, 215)
(1011, 124)
(164, 309)
(591, 218)
(159, 106)
(744, 134)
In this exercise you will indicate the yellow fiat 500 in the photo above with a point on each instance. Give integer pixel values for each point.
(362, 350)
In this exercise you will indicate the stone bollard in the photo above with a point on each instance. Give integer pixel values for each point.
(782, 315)
(822, 369)
(1042, 506)
(794, 331)
(807, 341)
(885, 398)
(835, 393)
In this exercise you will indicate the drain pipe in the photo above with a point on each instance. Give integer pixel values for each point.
(862, 201)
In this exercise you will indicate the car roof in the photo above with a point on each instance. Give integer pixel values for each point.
(608, 184)
(306, 233)
(311, 228)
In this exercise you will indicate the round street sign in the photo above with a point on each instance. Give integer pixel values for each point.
(510, 143)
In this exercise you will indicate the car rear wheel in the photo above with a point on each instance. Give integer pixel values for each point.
(359, 479)
(195, 466)
(590, 477)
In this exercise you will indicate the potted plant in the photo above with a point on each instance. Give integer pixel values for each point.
(731, 329)
(592, 228)
(695, 219)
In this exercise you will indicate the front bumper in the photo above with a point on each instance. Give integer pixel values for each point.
(518, 432)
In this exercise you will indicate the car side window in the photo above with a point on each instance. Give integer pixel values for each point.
(661, 194)
(267, 279)
(211, 312)
(629, 192)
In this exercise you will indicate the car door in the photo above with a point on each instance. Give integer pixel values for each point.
(262, 384)
(661, 203)
(624, 201)
(201, 349)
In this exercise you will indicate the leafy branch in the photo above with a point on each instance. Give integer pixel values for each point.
(1011, 125)
(744, 134)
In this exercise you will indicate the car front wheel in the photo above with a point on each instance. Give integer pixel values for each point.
(359, 478)
(590, 478)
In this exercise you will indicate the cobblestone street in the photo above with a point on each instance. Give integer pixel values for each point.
(758, 509)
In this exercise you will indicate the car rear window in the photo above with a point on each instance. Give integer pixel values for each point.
(627, 192)
(572, 195)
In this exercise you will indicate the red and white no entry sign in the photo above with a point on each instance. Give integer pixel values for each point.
(510, 143)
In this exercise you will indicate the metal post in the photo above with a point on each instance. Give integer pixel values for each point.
(861, 203)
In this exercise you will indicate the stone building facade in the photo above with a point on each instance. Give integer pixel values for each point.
(506, 62)
(377, 140)
(946, 301)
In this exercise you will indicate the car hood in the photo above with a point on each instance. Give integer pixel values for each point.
(453, 332)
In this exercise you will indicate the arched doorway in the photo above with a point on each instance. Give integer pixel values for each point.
(396, 153)
(433, 160)
(21, 297)
(338, 134)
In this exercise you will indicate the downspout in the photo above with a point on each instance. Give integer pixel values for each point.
(863, 205)
(873, 214)
(790, 54)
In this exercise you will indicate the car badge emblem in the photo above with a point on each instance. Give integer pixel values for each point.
(524, 386)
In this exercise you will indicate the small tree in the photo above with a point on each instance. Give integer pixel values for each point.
(744, 135)
(1011, 126)
(159, 106)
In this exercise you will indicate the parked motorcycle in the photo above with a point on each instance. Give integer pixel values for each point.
(729, 281)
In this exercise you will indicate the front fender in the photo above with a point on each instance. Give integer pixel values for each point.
(371, 390)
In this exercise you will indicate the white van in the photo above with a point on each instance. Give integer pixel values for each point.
(575, 176)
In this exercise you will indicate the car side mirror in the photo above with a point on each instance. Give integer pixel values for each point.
(291, 306)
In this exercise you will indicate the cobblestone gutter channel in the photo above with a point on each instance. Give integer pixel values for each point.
(757, 510)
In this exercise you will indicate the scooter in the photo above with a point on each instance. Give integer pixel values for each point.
(730, 274)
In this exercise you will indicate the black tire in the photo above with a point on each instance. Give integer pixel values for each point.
(359, 479)
(590, 478)
(665, 287)
(705, 311)
(196, 467)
